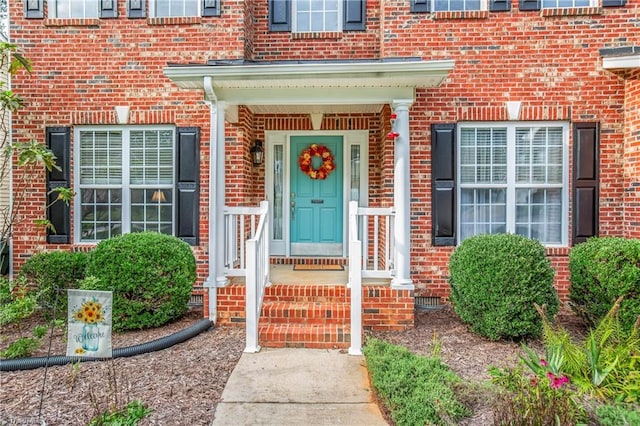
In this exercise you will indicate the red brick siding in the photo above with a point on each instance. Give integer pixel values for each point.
(632, 156)
(82, 69)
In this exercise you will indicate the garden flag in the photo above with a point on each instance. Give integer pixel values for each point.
(89, 323)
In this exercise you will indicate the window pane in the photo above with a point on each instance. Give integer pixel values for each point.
(539, 155)
(317, 15)
(539, 214)
(100, 214)
(176, 8)
(482, 211)
(278, 192)
(100, 158)
(151, 209)
(355, 173)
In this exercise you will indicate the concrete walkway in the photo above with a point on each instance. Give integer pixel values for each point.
(298, 387)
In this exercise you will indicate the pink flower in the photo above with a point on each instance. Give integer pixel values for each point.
(543, 362)
(557, 382)
(550, 375)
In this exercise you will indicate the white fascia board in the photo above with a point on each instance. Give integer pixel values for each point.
(322, 74)
(621, 62)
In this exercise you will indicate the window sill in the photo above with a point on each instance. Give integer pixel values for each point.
(461, 14)
(175, 20)
(72, 22)
(570, 11)
(317, 35)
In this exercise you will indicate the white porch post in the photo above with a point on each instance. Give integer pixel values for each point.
(402, 196)
(219, 185)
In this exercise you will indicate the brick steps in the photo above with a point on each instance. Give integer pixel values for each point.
(312, 336)
(305, 316)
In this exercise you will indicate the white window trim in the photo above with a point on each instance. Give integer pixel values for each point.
(484, 5)
(125, 186)
(294, 19)
(592, 3)
(53, 9)
(152, 10)
(511, 185)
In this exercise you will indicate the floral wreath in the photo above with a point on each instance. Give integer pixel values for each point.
(305, 161)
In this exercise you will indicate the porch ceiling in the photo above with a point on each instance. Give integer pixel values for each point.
(359, 86)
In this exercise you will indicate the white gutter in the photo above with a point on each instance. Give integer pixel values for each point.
(210, 283)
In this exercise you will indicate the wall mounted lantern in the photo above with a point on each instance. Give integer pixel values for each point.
(257, 153)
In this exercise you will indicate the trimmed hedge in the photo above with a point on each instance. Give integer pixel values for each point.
(151, 276)
(495, 282)
(51, 274)
(602, 270)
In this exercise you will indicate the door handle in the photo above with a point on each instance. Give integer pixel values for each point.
(293, 210)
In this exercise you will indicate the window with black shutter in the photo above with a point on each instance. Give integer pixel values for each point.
(313, 16)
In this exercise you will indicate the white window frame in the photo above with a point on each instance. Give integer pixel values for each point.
(153, 9)
(592, 3)
(511, 184)
(294, 19)
(484, 5)
(125, 186)
(53, 9)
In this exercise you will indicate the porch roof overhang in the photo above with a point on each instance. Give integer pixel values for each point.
(310, 82)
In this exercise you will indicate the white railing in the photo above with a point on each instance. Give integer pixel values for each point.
(247, 254)
(368, 258)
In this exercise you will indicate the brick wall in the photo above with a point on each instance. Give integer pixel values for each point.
(83, 69)
(632, 156)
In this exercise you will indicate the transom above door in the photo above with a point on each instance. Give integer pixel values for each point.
(310, 178)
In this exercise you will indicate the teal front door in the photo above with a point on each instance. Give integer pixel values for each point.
(316, 204)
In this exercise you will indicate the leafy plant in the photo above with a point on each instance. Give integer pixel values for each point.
(51, 274)
(604, 365)
(151, 276)
(618, 415)
(601, 271)
(15, 303)
(21, 348)
(128, 416)
(495, 282)
(416, 389)
(533, 400)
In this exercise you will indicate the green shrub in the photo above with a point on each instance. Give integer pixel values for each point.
(601, 270)
(151, 276)
(618, 415)
(51, 274)
(15, 303)
(495, 282)
(417, 390)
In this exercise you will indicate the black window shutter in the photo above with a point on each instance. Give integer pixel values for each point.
(613, 3)
(58, 141)
(136, 9)
(355, 15)
(530, 4)
(188, 184)
(420, 6)
(279, 15)
(443, 184)
(499, 5)
(34, 8)
(108, 8)
(210, 7)
(585, 181)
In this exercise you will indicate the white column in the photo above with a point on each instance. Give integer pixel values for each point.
(219, 187)
(402, 196)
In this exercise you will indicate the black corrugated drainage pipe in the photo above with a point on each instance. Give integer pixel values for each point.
(154, 345)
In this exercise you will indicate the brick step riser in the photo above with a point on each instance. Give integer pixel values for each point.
(306, 293)
(301, 336)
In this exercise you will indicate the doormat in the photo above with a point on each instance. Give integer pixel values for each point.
(318, 267)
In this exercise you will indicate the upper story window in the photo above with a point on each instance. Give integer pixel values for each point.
(317, 15)
(554, 4)
(176, 8)
(86, 9)
(456, 5)
(513, 178)
(125, 181)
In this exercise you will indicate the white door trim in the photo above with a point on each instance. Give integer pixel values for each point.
(350, 138)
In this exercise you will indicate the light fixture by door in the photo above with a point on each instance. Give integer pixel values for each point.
(257, 153)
